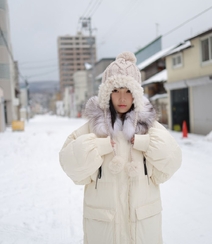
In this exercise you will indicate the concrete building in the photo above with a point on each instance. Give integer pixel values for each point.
(7, 67)
(73, 53)
(189, 84)
(95, 75)
(24, 104)
(69, 108)
(80, 91)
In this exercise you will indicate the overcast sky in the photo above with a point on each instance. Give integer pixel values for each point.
(119, 25)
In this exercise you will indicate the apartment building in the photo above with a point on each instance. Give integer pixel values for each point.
(73, 53)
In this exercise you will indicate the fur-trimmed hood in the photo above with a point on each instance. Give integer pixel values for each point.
(100, 120)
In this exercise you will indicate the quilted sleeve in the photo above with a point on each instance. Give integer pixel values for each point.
(82, 154)
(161, 151)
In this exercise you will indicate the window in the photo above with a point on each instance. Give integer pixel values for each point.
(177, 60)
(66, 49)
(206, 49)
(66, 59)
(66, 43)
(65, 38)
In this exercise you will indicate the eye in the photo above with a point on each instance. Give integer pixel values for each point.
(128, 91)
(115, 90)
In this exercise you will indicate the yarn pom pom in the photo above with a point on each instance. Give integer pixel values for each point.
(116, 165)
(128, 56)
(132, 169)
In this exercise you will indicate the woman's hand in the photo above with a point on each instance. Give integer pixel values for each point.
(132, 140)
(112, 143)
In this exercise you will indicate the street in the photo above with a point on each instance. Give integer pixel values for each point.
(40, 204)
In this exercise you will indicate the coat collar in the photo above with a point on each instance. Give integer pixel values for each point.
(100, 120)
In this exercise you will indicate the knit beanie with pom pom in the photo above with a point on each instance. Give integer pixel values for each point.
(123, 72)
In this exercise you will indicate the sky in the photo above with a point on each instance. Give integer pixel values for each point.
(40, 204)
(120, 25)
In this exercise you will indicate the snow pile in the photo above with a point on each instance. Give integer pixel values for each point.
(209, 137)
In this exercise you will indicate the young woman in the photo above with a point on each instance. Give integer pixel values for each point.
(121, 155)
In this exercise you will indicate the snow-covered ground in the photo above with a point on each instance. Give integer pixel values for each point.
(40, 204)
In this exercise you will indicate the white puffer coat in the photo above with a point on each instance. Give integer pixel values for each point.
(124, 206)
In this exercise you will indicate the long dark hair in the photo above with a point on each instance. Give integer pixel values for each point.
(113, 113)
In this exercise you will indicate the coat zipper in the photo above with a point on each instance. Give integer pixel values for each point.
(145, 169)
(99, 176)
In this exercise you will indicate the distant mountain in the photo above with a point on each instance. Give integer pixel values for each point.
(43, 87)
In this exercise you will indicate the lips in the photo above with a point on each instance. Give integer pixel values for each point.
(122, 106)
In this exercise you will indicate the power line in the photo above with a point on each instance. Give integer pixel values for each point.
(19, 73)
(9, 51)
(52, 71)
(87, 8)
(41, 61)
(99, 3)
(83, 15)
(128, 9)
(185, 22)
(91, 9)
(40, 67)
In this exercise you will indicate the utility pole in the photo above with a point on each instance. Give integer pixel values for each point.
(86, 25)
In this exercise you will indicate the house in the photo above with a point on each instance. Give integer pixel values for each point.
(154, 75)
(189, 84)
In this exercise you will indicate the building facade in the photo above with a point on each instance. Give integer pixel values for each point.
(189, 86)
(7, 68)
(153, 73)
(149, 50)
(80, 92)
(73, 53)
(95, 75)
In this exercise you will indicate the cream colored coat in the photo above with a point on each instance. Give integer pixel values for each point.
(123, 209)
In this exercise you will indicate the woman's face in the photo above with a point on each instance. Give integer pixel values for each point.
(122, 100)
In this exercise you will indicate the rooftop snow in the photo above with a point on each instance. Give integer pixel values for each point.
(154, 58)
(183, 46)
(158, 96)
(159, 77)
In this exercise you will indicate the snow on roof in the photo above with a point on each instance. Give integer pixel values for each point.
(158, 96)
(154, 58)
(159, 77)
(98, 77)
(200, 34)
(181, 47)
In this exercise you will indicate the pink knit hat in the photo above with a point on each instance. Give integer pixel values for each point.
(123, 72)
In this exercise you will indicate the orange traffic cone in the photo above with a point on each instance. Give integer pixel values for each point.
(185, 130)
